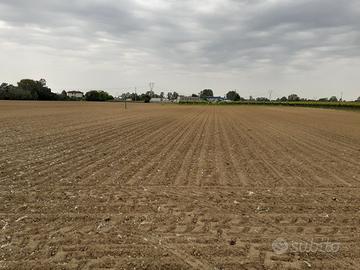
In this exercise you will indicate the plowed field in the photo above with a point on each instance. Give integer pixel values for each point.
(94, 186)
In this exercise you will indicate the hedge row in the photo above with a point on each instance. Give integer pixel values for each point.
(350, 105)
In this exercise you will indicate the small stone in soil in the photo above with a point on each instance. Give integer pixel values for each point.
(232, 242)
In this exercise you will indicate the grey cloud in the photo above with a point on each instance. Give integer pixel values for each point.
(188, 35)
(308, 14)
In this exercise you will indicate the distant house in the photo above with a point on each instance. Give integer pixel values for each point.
(75, 94)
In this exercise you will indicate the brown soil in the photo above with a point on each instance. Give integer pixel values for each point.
(90, 185)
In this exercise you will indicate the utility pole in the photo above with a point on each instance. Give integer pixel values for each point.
(151, 85)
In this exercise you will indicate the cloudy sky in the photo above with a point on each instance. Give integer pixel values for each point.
(311, 47)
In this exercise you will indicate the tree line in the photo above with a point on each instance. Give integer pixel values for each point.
(234, 96)
(28, 89)
(147, 96)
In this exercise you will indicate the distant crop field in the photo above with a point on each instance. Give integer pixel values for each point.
(92, 185)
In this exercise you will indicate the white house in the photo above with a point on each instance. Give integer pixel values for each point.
(75, 94)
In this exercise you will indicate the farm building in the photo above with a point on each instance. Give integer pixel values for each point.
(215, 99)
(75, 94)
(187, 99)
(156, 100)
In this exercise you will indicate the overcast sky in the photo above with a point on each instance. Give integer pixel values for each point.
(311, 47)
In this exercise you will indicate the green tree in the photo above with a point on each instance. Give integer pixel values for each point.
(11, 92)
(125, 95)
(333, 99)
(262, 99)
(98, 96)
(134, 97)
(283, 99)
(147, 98)
(206, 93)
(63, 95)
(38, 89)
(150, 93)
(293, 97)
(175, 95)
(233, 96)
